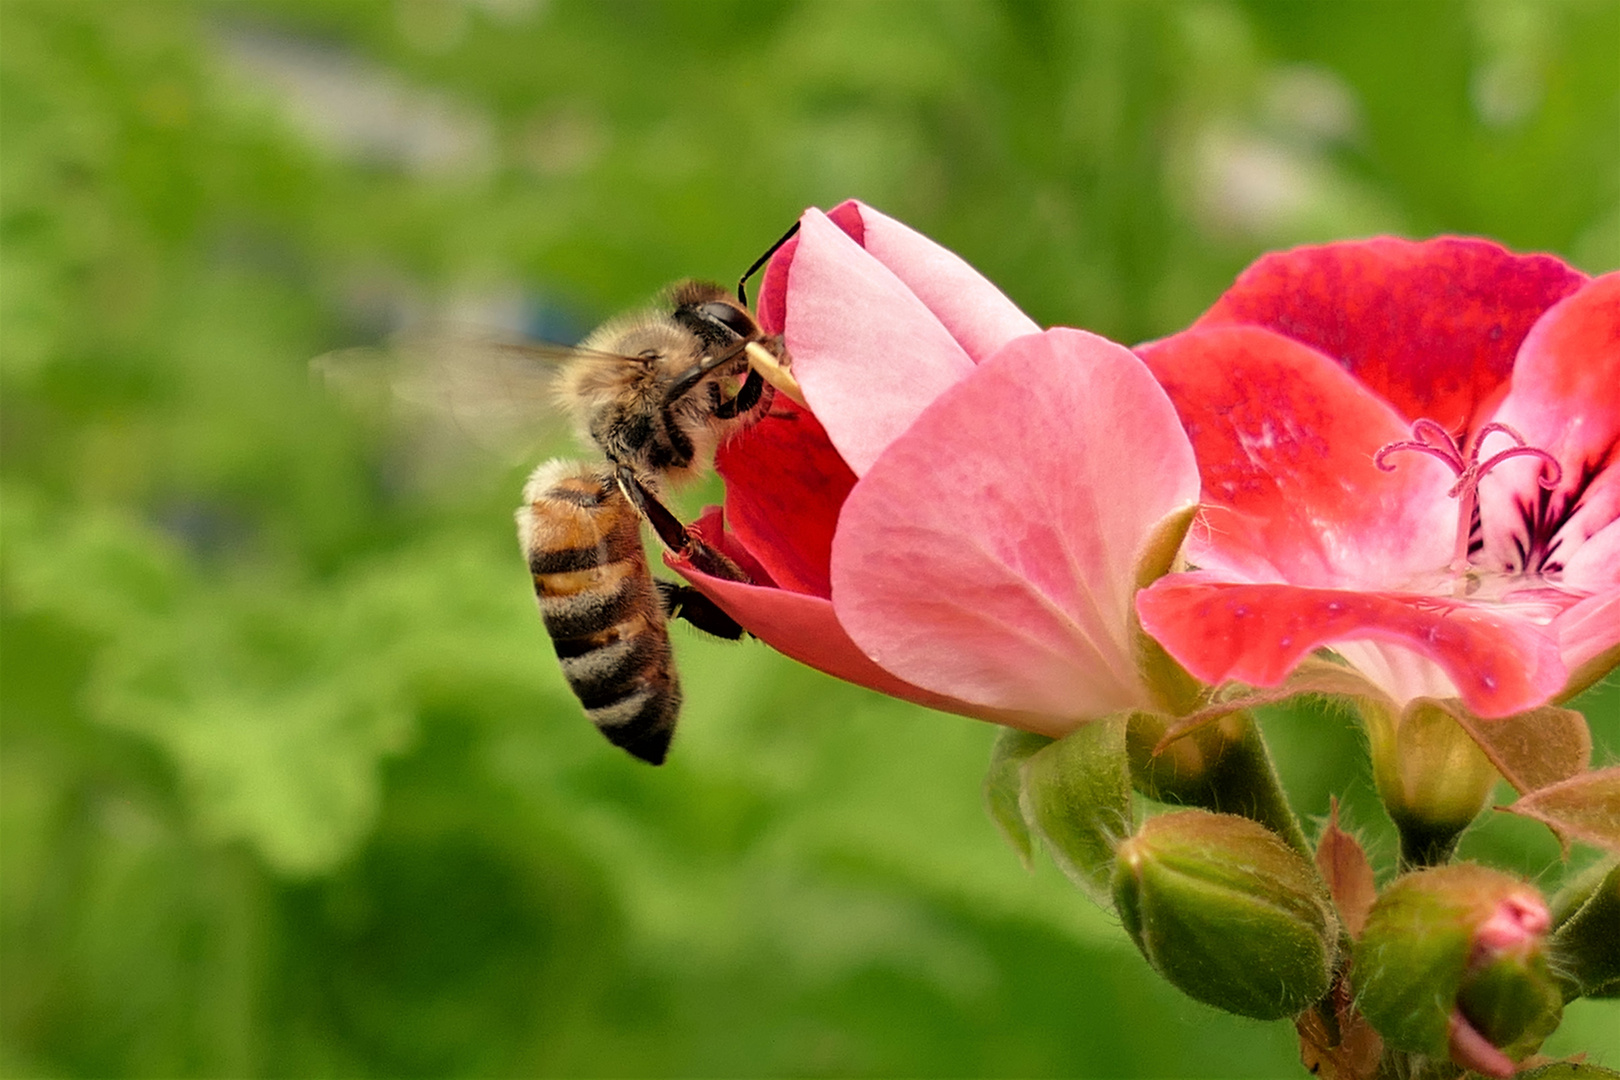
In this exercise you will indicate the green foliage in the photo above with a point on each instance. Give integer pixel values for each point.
(289, 782)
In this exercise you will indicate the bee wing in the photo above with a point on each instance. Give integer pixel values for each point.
(486, 392)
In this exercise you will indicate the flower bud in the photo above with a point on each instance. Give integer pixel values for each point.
(1227, 912)
(1453, 962)
(1433, 778)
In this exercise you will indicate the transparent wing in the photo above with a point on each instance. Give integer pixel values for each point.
(447, 386)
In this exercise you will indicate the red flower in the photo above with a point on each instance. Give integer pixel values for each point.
(1409, 453)
(961, 520)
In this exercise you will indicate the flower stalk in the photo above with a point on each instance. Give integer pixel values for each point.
(1223, 766)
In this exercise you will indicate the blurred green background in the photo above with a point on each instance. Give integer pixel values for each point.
(291, 783)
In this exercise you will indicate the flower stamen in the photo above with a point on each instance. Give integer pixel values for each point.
(1432, 439)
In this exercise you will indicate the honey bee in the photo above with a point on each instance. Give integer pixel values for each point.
(657, 393)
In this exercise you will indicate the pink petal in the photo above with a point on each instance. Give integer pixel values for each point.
(978, 315)
(1590, 629)
(805, 629)
(1596, 563)
(785, 485)
(1565, 399)
(990, 553)
(1475, 1052)
(1257, 634)
(869, 355)
(772, 309)
(1432, 327)
(1285, 441)
(1400, 673)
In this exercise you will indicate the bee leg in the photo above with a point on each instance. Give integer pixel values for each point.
(685, 602)
(712, 562)
(747, 396)
(673, 534)
(665, 524)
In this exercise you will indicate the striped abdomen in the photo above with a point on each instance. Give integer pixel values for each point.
(606, 619)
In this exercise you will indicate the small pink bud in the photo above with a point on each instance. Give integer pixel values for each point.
(1518, 923)
(1453, 961)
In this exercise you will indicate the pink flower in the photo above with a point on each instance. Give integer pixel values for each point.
(960, 521)
(1409, 453)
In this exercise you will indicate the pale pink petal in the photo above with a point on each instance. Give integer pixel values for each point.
(1595, 565)
(1589, 629)
(1400, 673)
(869, 355)
(804, 628)
(1430, 326)
(977, 314)
(1565, 399)
(1285, 441)
(1257, 634)
(773, 283)
(990, 553)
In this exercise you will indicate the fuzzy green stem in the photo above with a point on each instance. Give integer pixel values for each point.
(1224, 766)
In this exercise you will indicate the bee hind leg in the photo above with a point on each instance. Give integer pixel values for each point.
(685, 602)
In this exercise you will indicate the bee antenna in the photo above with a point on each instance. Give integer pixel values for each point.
(742, 282)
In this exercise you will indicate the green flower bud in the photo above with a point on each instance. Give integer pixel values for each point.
(1227, 912)
(1453, 961)
(1433, 778)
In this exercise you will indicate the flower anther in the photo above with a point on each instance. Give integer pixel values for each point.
(1430, 438)
(1337, 397)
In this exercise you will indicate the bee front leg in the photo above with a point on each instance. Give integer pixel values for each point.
(748, 395)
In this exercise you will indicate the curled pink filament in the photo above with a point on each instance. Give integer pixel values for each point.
(1428, 437)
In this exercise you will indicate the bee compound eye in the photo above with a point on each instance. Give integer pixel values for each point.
(731, 317)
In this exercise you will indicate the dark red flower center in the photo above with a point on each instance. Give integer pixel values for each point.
(1428, 437)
